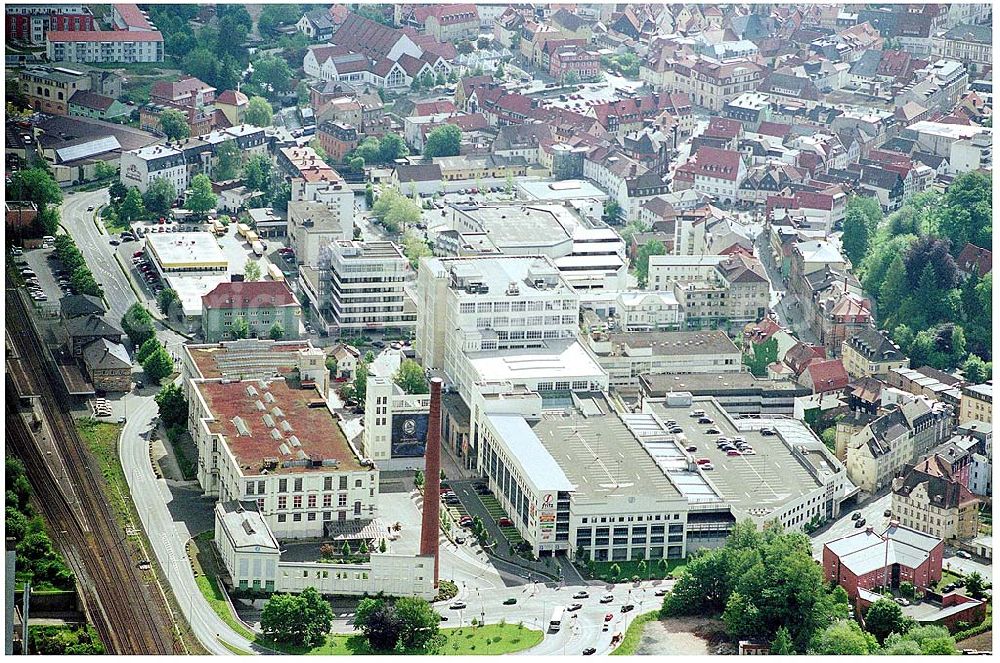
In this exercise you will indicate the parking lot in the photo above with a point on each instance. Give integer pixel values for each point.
(48, 280)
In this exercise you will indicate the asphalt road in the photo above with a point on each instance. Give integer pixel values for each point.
(872, 512)
(167, 537)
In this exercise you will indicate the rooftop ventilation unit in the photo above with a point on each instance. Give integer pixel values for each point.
(294, 440)
(285, 426)
(276, 411)
(284, 449)
(260, 406)
(269, 397)
(251, 392)
(268, 421)
(241, 426)
(276, 434)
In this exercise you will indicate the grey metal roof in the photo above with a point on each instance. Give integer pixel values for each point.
(88, 149)
(537, 463)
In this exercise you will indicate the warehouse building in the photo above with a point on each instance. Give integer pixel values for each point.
(741, 394)
(575, 479)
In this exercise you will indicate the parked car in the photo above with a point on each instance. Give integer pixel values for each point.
(855, 515)
(573, 607)
(713, 431)
(458, 605)
(859, 523)
(628, 608)
(510, 601)
(660, 592)
(581, 595)
(608, 617)
(589, 651)
(607, 598)
(963, 554)
(691, 448)
(505, 522)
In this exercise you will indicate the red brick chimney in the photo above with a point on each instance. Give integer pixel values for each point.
(430, 521)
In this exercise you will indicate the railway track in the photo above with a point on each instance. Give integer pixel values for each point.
(128, 615)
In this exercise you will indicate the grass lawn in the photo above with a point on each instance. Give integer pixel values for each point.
(102, 440)
(602, 570)
(633, 635)
(947, 577)
(503, 638)
(114, 225)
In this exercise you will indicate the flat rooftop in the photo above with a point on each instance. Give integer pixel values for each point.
(195, 250)
(558, 360)
(711, 383)
(191, 288)
(561, 190)
(249, 358)
(749, 483)
(290, 425)
(713, 342)
(529, 225)
(498, 272)
(598, 452)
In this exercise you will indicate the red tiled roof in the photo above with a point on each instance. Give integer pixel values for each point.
(713, 162)
(721, 127)
(133, 16)
(232, 98)
(774, 129)
(828, 375)
(249, 294)
(91, 100)
(447, 14)
(173, 90)
(362, 35)
(973, 258)
(319, 435)
(102, 35)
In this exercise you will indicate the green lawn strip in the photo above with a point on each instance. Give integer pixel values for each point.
(114, 225)
(630, 569)
(947, 577)
(236, 650)
(633, 635)
(463, 641)
(102, 440)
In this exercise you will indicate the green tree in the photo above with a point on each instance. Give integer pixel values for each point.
(418, 622)
(103, 170)
(894, 288)
(884, 616)
(259, 112)
(257, 172)
(137, 324)
(276, 332)
(201, 199)
(653, 247)
(36, 185)
(415, 248)
(158, 365)
(410, 377)
(117, 193)
(48, 220)
(251, 271)
(764, 354)
(612, 212)
(172, 406)
(976, 370)
(273, 17)
(975, 585)
(843, 638)
(297, 619)
(899, 645)
(273, 76)
(239, 328)
(572, 78)
(379, 623)
(857, 235)
(317, 147)
(132, 208)
(395, 211)
(167, 300)
(174, 124)
(967, 213)
(82, 279)
(444, 141)
(932, 640)
(148, 347)
(782, 643)
(228, 164)
(200, 63)
(369, 195)
(160, 196)
(392, 147)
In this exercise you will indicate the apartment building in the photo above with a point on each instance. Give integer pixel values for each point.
(49, 89)
(970, 44)
(714, 172)
(313, 225)
(871, 353)
(31, 23)
(929, 499)
(626, 356)
(269, 309)
(879, 451)
(976, 403)
(140, 167)
(709, 83)
(714, 290)
(360, 286)
(101, 46)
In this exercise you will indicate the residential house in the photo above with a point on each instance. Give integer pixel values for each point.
(977, 403)
(871, 353)
(85, 329)
(929, 499)
(88, 104)
(974, 260)
(713, 172)
(316, 24)
(267, 308)
(108, 366)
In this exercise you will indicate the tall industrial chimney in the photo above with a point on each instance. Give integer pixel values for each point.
(430, 522)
